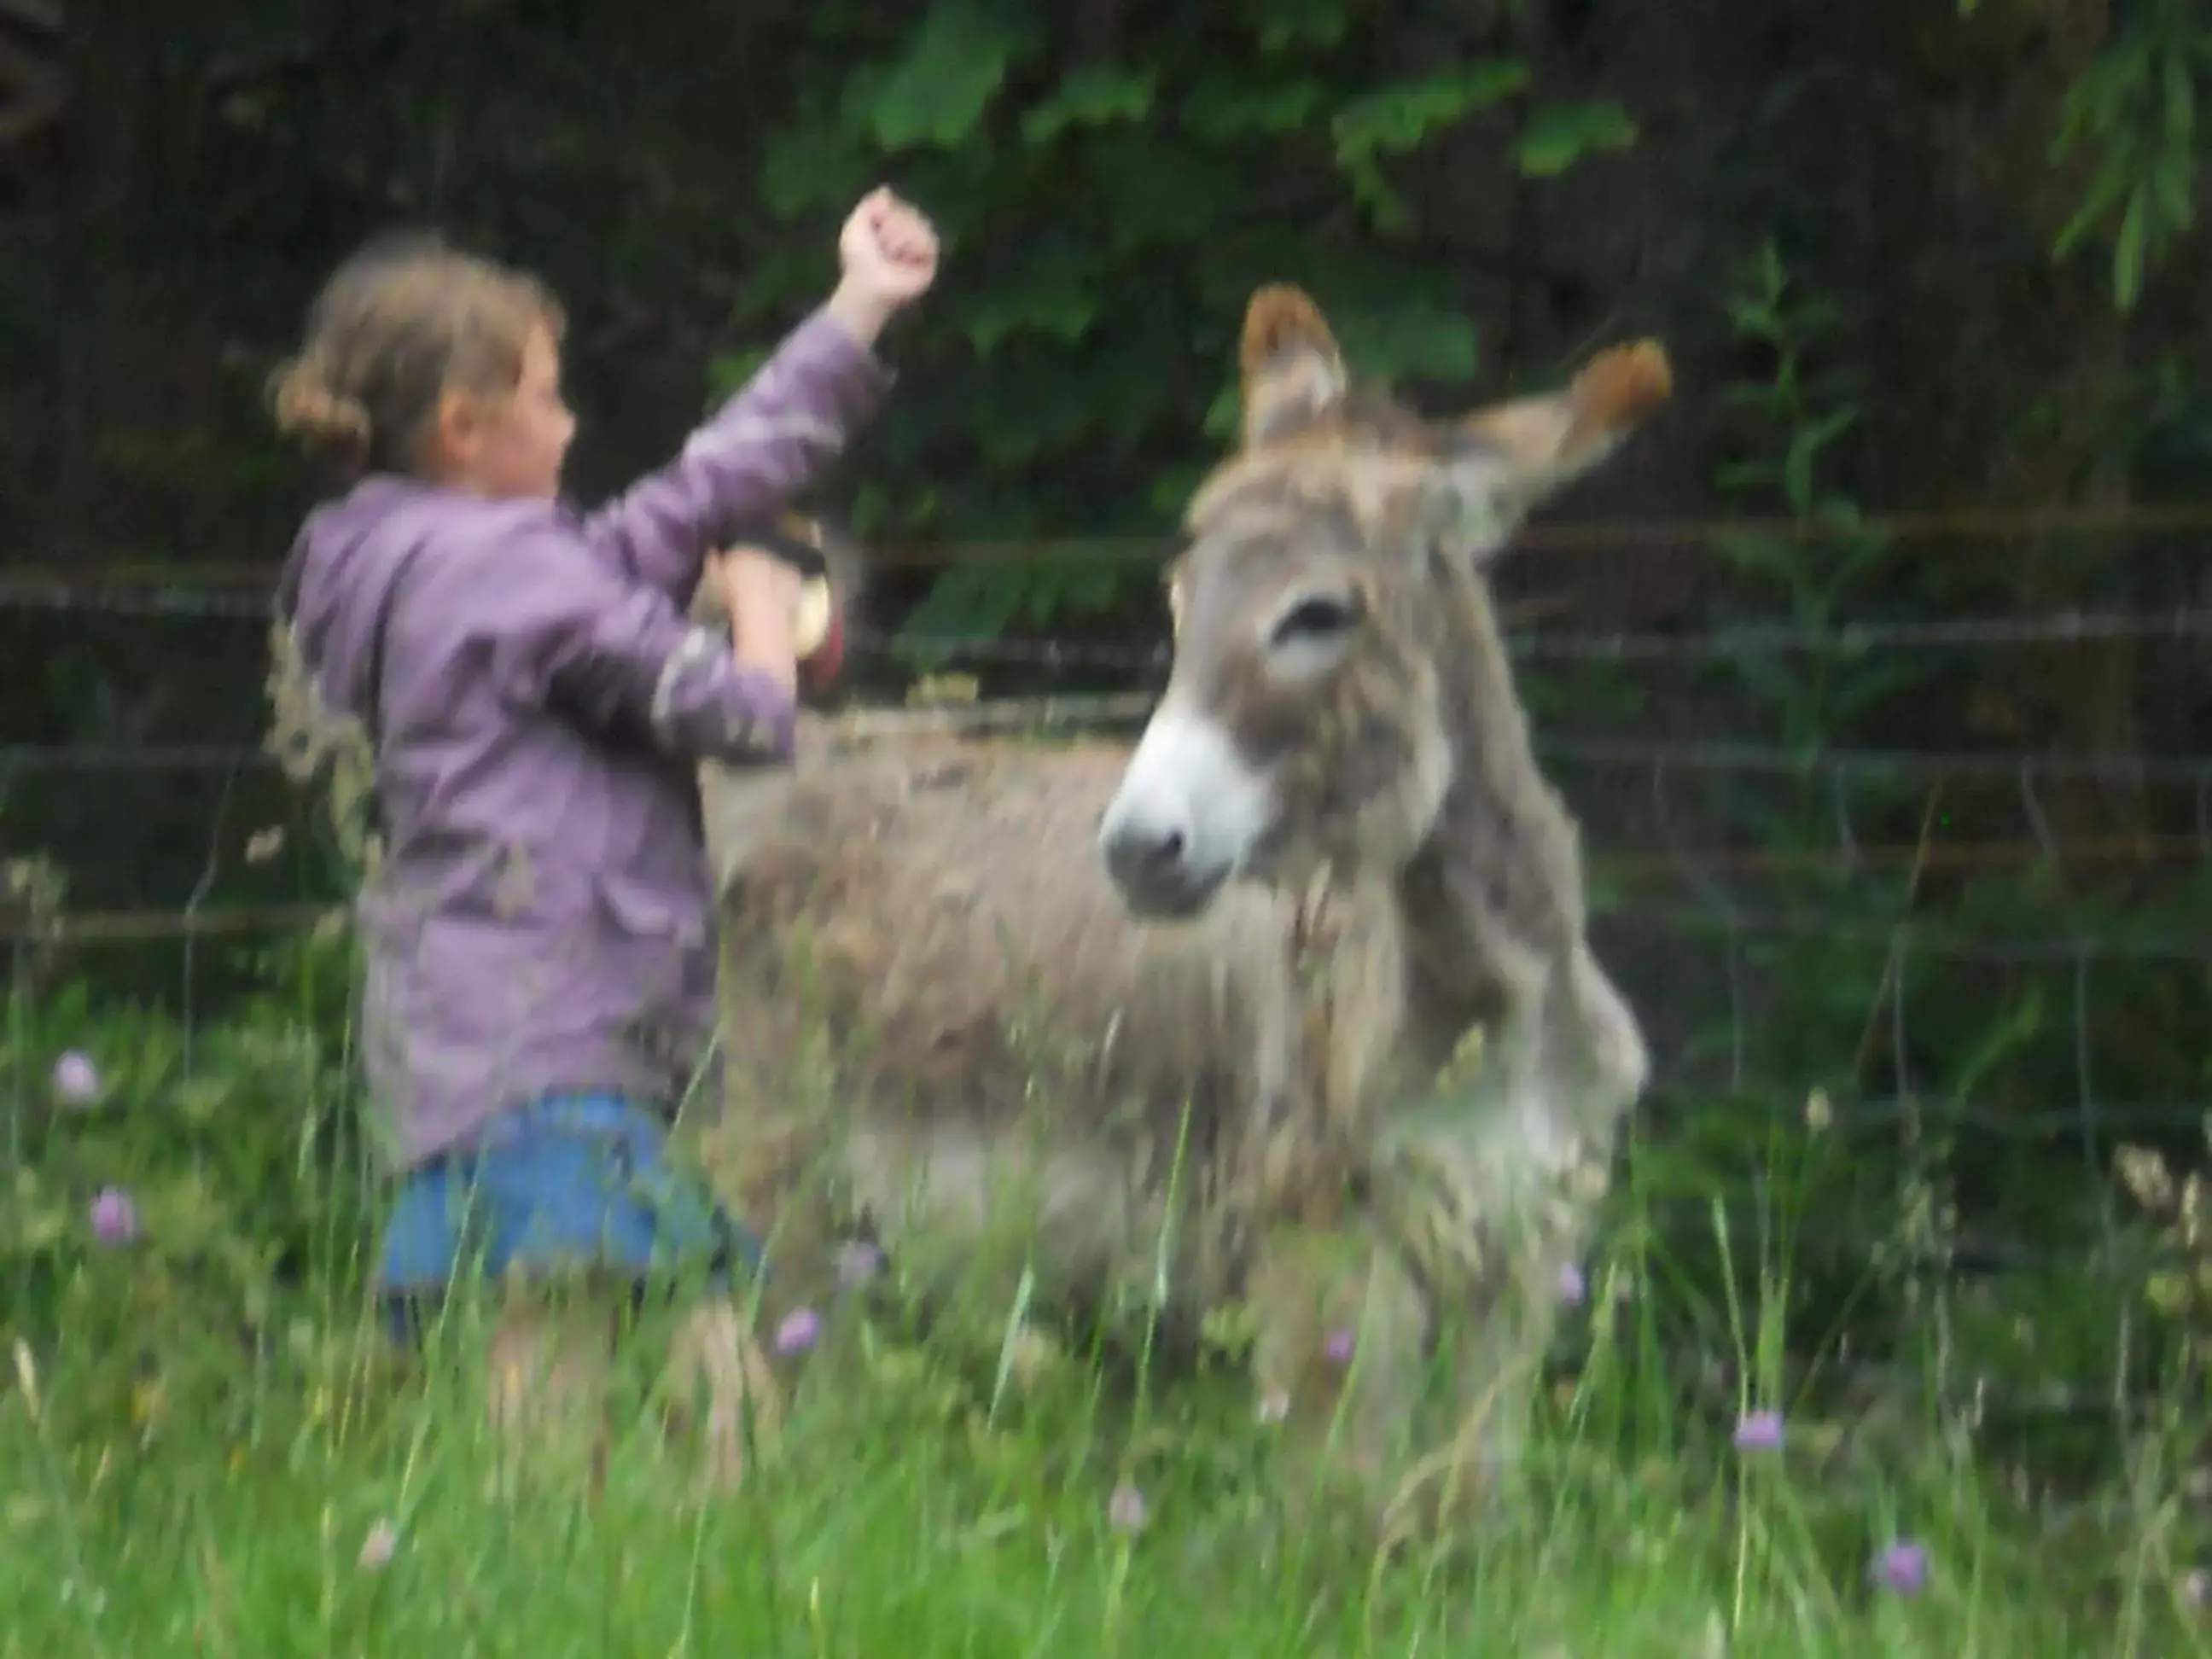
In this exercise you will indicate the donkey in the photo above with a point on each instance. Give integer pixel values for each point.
(1169, 1031)
(1341, 717)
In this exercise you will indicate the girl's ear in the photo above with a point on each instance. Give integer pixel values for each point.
(457, 433)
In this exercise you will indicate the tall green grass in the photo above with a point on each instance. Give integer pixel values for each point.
(332, 1499)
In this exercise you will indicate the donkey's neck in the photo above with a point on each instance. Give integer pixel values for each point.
(1496, 890)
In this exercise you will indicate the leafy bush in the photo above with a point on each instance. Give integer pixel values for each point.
(1110, 208)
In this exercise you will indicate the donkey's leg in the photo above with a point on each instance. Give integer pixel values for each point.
(1339, 1356)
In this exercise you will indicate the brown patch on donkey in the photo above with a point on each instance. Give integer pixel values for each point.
(1220, 1063)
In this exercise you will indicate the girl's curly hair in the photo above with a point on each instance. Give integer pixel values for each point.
(402, 323)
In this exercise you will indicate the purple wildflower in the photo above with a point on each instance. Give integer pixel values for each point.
(1760, 1432)
(114, 1217)
(75, 1079)
(1574, 1288)
(798, 1331)
(1338, 1345)
(858, 1262)
(1125, 1510)
(1902, 1567)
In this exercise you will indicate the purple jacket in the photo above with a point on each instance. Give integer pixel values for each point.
(540, 916)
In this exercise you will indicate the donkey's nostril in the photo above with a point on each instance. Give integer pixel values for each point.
(1151, 850)
(1151, 860)
(1145, 849)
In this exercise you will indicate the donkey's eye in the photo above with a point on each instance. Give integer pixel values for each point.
(1312, 634)
(1316, 618)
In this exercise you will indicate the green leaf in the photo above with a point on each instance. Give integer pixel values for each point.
(2104, 194)
(1090, 98)
(2128, 255)
(1396, 119)
(2174, 179)
(1805, 446)
(936, 95)
(1558, 136)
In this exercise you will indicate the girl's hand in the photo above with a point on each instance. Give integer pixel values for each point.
(760, 592)
(888, 251)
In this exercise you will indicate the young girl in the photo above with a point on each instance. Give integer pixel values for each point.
(520, 684)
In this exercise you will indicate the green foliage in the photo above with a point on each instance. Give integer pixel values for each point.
(935, 94)
(1397, 120)
(1953, 1076)
(1106, 217)
(1803, 413)
(1556, 138)
(2133, 112)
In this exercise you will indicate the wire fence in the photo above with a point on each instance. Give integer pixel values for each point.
(1923, 908)
(1957, 528)
(2065, 626)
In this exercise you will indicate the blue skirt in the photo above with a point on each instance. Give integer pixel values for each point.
(569, 1181)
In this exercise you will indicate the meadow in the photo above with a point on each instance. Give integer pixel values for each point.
(214, 1450)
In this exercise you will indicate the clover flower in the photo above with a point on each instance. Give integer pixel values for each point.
(1760, 1432)
(1901, 1567)
(114, 1217)
(75, 1079)
(800, 1326)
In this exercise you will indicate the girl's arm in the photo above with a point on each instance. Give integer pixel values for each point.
(775, 435)
(615, 654)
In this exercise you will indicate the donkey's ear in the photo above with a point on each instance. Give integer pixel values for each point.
(1502, 461)
(1293, 373)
